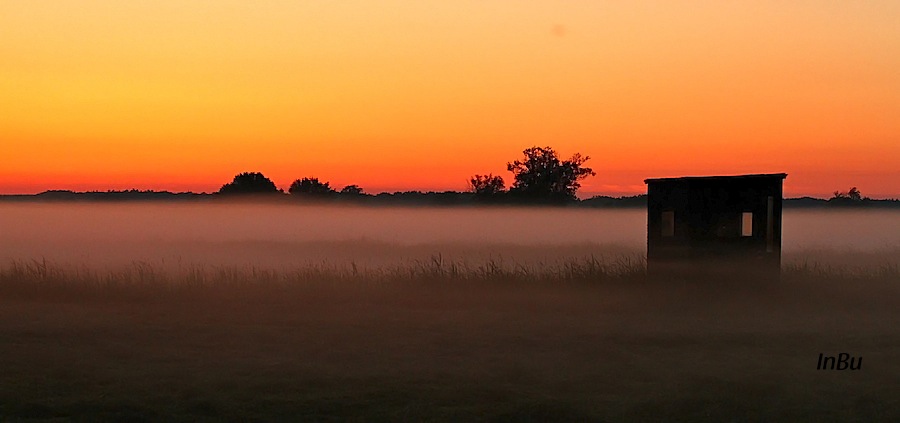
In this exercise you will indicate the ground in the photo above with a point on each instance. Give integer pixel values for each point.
(453, 351)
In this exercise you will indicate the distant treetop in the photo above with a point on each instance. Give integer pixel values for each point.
(852, 195)
(249, 183)
(310, 187)
(352, 190)
(542, 177)
(486, 185)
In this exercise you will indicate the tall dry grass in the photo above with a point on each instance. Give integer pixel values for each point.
(142, 279)
(34, 276)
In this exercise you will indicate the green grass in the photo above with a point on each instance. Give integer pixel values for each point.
(439, 340)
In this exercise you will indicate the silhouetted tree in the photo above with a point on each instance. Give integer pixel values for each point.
(486, 185)
(310, 186)
(543, 177)
(249, 183)
(854, 194)
(851, 196)
(352, 190)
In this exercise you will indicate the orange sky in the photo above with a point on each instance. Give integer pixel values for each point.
(393, 95)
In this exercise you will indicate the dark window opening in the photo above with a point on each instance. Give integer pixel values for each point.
(668, 223)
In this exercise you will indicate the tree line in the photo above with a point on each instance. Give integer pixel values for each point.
(538, 177)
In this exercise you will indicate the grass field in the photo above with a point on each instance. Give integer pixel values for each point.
(578, 340)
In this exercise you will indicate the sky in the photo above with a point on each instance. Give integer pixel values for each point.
(402, 95)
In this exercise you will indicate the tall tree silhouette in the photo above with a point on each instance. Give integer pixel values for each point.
(543, 177)
(249, 183)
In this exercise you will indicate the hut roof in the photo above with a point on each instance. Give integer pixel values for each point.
(719, 178)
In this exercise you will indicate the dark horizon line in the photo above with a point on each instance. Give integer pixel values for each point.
(399, 196)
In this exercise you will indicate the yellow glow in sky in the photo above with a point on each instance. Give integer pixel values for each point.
(182, 95)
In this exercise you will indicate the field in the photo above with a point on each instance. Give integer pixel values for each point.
(581, 340)
(170, 313)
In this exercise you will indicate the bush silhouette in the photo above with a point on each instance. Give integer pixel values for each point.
(852, 195)
(849, 198)
(352, 190)
(487, 187)
(311, 187)
(249, 183)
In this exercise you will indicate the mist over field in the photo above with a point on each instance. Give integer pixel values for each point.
(210, 312)
(101, 234)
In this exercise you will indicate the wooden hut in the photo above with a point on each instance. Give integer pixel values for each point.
(724, 225)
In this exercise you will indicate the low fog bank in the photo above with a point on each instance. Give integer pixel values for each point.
(291, 235)
(287, 235)
(294, 223)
